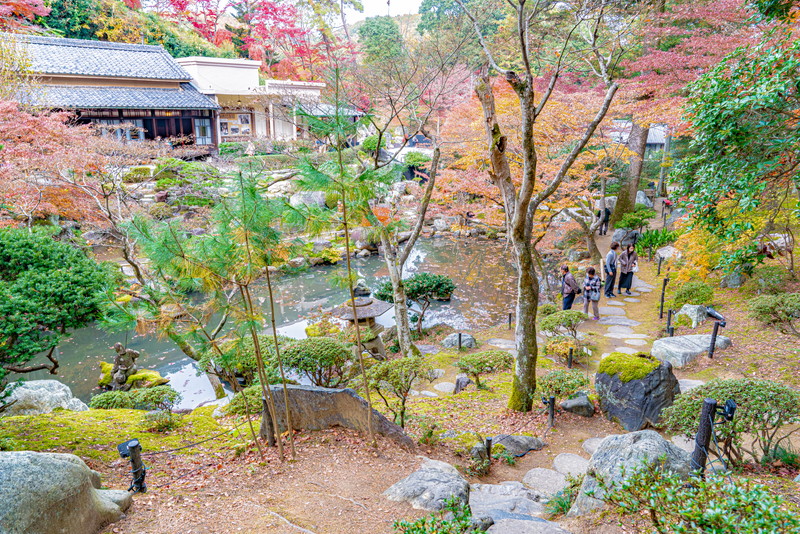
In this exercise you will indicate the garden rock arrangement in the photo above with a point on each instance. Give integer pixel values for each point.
(696, 313)
(518, 445)
(681, 350)
(544, 483)
(628, 452)
(532, 526)
(569, 464)
(47, 493)
(580, 405)
(429, 487)
(507, 500)
(467, 341)
(41, 396)
(316, 408)
(668, 253)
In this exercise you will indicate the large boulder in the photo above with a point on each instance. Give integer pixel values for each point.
(695, 312)
(320, 245)
(681, 350)
(50, 493)
(544, 483)
(625, 237)
(611, 203)
(41, 396)
(316, 408)
(677, 213)
(507, 500)
(467, 341)
(634, 388)
(517, 445)
(668, 253)
(580, 405)
(308, 198)
(429, 487)
(626, 452)
(570, 464)
(641, 198)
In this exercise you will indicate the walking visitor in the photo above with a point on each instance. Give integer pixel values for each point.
(591, 293)
(606, 216)
(569, 288)
(628, 264)
(610, 268)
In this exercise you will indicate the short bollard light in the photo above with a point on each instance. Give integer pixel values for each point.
(133, 450)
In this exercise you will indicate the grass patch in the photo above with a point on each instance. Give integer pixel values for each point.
(628, 366)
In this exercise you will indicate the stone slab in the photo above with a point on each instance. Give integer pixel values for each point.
(544, 483)
(620, 330)
(687, 384)
(445, 387)
(614, 303)
(627, 335)
(522, 526)
(632, 299)
(502, 501)
(618, 321)
(590, 445)
(606, 310)
(502, 343)
(570, 464)
(681, 350)
(636, 342)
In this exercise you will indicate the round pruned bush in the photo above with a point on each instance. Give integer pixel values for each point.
(779, 311)
(155, 398)
(548, 308)
(559, 322)
(766, 416)
(558, 347)
(481, 363)
(322, 359)
(238, 359)
(238, 406)
(562, 383)
(370, 144)
(695, 292)
(112, 400)
(161, 421)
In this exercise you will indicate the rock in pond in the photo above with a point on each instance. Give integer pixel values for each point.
(50, 493)
(467, 341)
(634, 388)
(41, 396)
(580, 405)
(628, 451)
(681, 350)
(430, 486)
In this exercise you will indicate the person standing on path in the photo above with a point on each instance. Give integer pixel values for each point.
(628, 264)
(605, 216)
(610, 268)
(569, 288)
(591, 293)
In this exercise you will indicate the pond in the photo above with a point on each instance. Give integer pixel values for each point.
(482, 270)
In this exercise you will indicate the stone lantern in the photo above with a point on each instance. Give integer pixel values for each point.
(367, 309)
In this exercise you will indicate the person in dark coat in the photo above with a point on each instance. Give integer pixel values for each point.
(606, 216)
(610, 267)
(591, 293)
(627, 262)
(569, 288)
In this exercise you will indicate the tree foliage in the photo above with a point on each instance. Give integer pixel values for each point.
(392, 381)
(322, 359)
(380, 39)
(481, 363)
(421, 288)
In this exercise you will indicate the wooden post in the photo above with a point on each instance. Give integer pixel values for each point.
(510, 315)
(663, 291)
(703, 437)
(459, 341)
(551, 412)
(569, 358)
(713, 345)
(488, 446)
(660, 261)
(138, 469)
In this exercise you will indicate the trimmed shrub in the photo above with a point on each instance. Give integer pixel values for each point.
(562, 383)
(160, 211)
(156, 398)
(321, 359)
(481, 363)
(161, 421)
(237, 404)
(416, 160)
(112, 400)
(548, 308)
(370, 144)
(764, 409)
(137, 175)
(779, 311)
(770, 279)
(695, 292)
(569, 320)
(559, 346)
(628, 366)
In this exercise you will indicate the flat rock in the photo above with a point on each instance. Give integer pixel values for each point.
(618, 321)
(620, 330)
(429, 487)
(643, 290)
(626, 350)
(544, 483)
(639, 284)
(518, 445)
(507, 500)
(681, 350)
(610, 302)
(428, 349)
(522, 526)
(631, 335)
(570, 464)
(636, 342)
(696, 313)
(445, 387)
(684, 443)
(590, 445)
(502, 343)
(687, 384)
(632, 299)
(427, 393)
(606, 310)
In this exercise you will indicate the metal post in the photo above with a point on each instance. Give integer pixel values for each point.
(459, 341)
(660, 261)
(551, 412)
(671, 331)
(703, 437)
(664, 214)
(569, 358)
(510, 316)
(488, 446)
(137, 467)
(669, 319)
(661, 306)
(713, 345)
(651, 252)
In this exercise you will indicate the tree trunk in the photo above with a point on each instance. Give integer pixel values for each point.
(626, 201)
(407, 347)
(524, 384)
(661, 190)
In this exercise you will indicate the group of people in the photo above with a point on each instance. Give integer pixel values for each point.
(625, 263)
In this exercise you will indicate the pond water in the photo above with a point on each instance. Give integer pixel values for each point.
(482, 270)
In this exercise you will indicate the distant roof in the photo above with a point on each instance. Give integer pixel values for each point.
(320, 109)
(88, 97)
(53, 55)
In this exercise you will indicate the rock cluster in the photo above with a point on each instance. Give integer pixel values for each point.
(41, 396)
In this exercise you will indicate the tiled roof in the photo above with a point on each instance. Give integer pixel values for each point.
(52, 55)
(88, 97)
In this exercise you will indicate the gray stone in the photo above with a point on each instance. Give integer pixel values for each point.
(502, 343)
(570, 464)
(445, 387)
(523, 526)
(441, 225)
(668, 253)
(686, 384)
(518, 445)
(625, 237)
(296, 263)
(462, 381)
(308, 198)
(610, 302)
(361, 288)
(41, 396)
(436, 374)
(626, 452)
(636, 342)
(674, 216)
(467, 341)
(618, 321)
(684, 443)
(544, 483)
(315, 408)
(429, 487)
(631, 299)
(363, 253)
(637, 403)
(428, 394)
(590, 445)
(641, 198)
(696, 313)
(50, 493)
(797, 479)
(614, 335)
(610, 310)
(578, 255)
(611, 203)
(503, 501)
(320, 245)
(580, 405)
(733, 281)
(681, 350)
(620, 330)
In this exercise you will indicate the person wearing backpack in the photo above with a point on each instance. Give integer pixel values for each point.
(569, 288)
(591, 293)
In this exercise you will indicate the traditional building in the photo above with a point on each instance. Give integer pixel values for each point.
(118, 83)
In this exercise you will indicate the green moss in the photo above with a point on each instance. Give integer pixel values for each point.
(628, 366)
(95, 433)
(105, 374)
(146, 378)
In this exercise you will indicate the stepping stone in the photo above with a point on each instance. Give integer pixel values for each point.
(687, 384)
(544, 483)
(502, 343)
(618, 321)
(531, 525)
(445, 387)
(507, 500)
(636, 342)
(625, 350)
(614, 335)
(570, 464)
(606, 310)
(620, 330)
(436, 374)
(631, 299)
(428, 349)
(428, 394)
(681, 350)
(643, 290)
(615, 303)
(590, 445)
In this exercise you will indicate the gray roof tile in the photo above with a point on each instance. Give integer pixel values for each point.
(52, 55)
(89, 97)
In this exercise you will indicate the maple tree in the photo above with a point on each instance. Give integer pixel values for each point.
(18, 15)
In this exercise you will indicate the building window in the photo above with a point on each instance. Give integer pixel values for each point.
(202, 131)
(167, 113)
(112, 127)
(135, 112)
